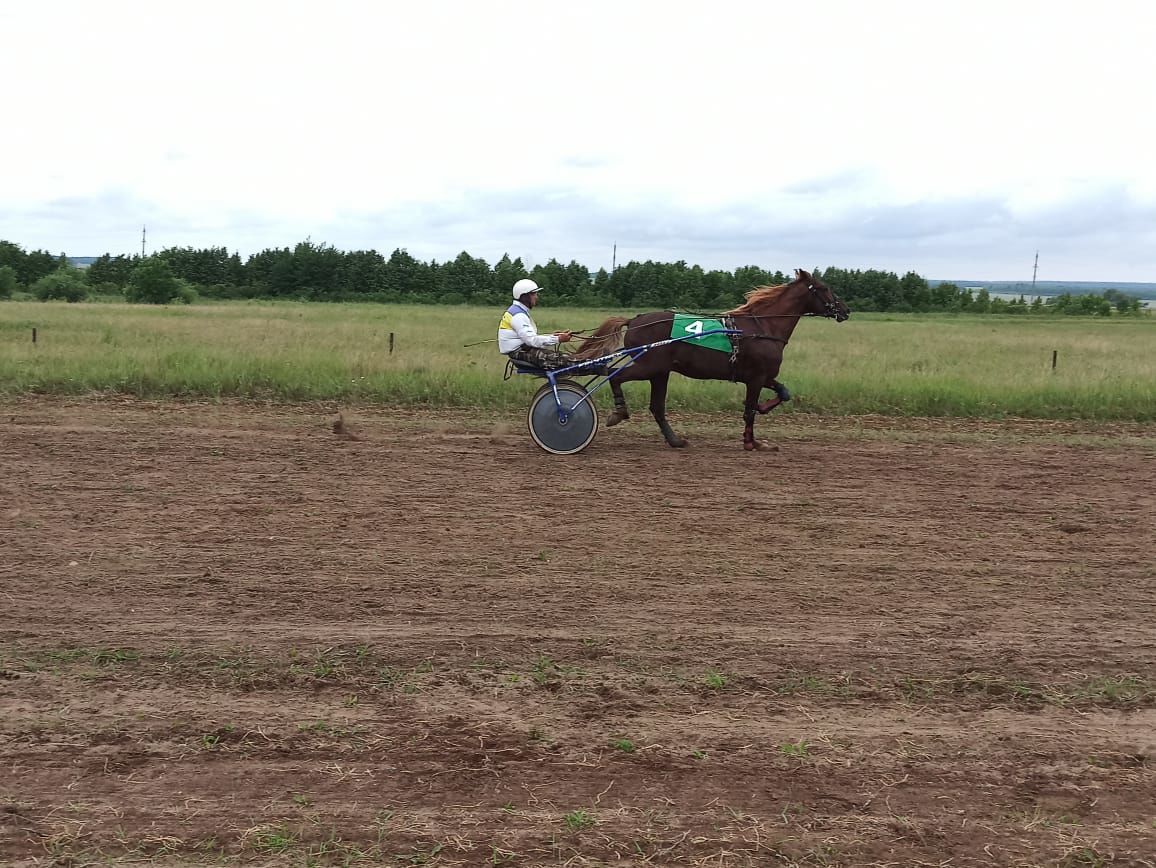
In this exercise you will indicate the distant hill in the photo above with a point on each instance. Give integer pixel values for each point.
(82, 261)
(1057, 287)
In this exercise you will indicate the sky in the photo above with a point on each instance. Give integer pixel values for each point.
(951, 139)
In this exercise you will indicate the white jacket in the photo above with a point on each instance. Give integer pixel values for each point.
(517, 330)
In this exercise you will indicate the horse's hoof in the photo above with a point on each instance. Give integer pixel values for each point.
(759, 445)
(616, 417)
(677, 443)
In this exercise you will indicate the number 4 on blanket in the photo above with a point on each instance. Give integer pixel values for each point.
(684, 326)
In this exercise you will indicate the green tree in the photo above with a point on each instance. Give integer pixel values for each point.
(915, 291)
(578, 280)
(602, 296)
(314, 268)
(565, 283)
(407, 279)
(8, 282)
(1079, 305)
(648, 291)
(361, 272)
(263, 268)
(718, 292)
(308, 271)
(691, 284)
(945, 296)
(748, 277)
(153, 282)
(506, 273)
(1123, 302)
(465, 280)
(114, 270)
(38, 264)
(14, 257)
(65, 283)
(1016, 306)
(29, 267)
(619, 286)
(885, 289)
(211, 266)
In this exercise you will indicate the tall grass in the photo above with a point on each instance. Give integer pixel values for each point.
(938, 365)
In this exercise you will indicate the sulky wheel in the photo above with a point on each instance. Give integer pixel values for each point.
(550, 432)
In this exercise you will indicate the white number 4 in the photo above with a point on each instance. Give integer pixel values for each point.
(695, 328)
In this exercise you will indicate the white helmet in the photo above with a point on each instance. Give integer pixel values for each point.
(523, 286)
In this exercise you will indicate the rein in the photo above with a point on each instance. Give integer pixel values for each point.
(828, 313)
(828, 310)
(749, 315)
(583, 336)
(580, 335)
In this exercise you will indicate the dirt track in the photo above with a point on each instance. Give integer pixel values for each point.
(227, 634)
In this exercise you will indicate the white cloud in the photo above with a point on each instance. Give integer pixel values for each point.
(890, 131)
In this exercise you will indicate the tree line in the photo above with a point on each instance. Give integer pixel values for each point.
(320, 272)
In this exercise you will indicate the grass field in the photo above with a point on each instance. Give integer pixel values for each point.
(931, 365)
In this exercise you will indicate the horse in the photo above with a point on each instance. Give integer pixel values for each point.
(765, 322)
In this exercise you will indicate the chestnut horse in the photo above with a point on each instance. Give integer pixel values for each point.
(766, 321)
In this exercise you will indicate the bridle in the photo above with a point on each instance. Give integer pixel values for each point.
(829, 302)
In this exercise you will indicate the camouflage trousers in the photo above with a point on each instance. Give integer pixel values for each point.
(544, 357)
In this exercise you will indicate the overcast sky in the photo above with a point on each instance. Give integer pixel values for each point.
(953, 139)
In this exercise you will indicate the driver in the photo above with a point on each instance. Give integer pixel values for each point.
(518, 337)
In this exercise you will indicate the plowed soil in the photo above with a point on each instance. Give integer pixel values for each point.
(231, 635)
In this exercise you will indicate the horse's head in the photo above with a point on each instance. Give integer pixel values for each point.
(821, 300)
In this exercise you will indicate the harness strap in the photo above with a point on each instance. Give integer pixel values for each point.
(736, 342)
(729, 324)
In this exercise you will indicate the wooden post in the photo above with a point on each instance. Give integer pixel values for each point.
(1055, 353)
(34, 334)
(391, 342)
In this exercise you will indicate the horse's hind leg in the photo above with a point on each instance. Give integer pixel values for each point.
(658, 385)
(620, 414)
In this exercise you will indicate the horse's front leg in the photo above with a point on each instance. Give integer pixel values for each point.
(658, 409)
(620, 413)
(783, 395)
(750, 407)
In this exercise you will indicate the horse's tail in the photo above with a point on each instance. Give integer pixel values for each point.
(606, 339)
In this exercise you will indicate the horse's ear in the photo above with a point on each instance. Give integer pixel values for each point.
(801, 275)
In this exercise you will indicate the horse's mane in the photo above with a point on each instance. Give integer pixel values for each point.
(759, 297)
